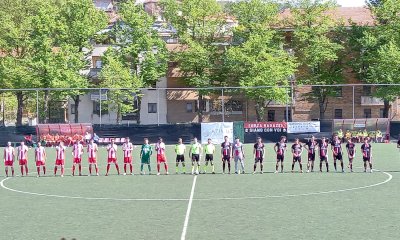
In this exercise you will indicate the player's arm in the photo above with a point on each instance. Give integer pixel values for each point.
(44, 154)
(306, 147)
(4, 155)
(13, 154)
(242, 150)
(276, 148)
(254, 152)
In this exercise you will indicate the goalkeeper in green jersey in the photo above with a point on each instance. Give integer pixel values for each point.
(194, 154)
(180, 150)
(209, 150)
(145, 155)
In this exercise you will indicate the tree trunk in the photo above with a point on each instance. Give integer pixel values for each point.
(119, 113)
(76, 108)
(139, 102)
(200, 108)
(386, 108)
(46, 106)
(20, 107)
(259, 111)
(322, 110)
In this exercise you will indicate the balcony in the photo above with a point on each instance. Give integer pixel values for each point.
(371, 101)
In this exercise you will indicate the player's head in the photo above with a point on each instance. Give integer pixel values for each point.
(366, 140)
(180, 140)
(127, 140)
(283, 139)
(112, 140)
(335, 137)
(312, 138)
(8, 144)
(146, 141)
(237, 140)
(22, 143)
(160, 139)
(323, 139)
(77, 141)
(209, 141)
(39, 144)
(195, 140)
(259, 140)
(296, 141)
(226, 138)
(349, 140)
(91, 140)
(61, 143)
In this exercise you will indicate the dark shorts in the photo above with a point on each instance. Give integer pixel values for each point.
(296, 159)
(195, 157)
(209, 157)
(311, 156)
(323, 158)
(259, 159)
(226, 158)
(366, 159)
(180, 158)
(280, 158)
(338, 157)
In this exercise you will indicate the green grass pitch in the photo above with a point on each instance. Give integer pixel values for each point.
(270, 206)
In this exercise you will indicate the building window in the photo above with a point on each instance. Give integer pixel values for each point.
(99, 64)
(233, 106)
(152, 108)
(381, 113)
(189, 107)
(338, 114)
(271, 115)
(367, 113)
(367, 91)
(96, 108)
(338, 91)
(288, 114)
(72, 108)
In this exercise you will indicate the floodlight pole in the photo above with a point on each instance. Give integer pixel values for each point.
(100, 106)
(287, 105)
(37, 106)
(223, 105)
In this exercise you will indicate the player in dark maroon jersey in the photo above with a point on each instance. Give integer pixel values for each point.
(297, 150)
(336, 147)
(280, 149)
(259, 153)
(323, 154)
(366, 150)
(311, 147)
(226, 150)
(351, 153)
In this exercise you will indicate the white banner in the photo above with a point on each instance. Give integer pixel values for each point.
(303, 127)
(216, 131)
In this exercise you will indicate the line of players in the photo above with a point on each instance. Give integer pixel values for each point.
(229, 151)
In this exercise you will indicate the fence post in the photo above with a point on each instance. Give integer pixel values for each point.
(353, 102)
(287, 105)
(223, 105)
(37, 106)
(100, 106)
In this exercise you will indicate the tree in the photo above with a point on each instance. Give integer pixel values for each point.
(16, 40)
(260, 62)
(138, 51)
(200, 27)
(378, 50)
(318, 48)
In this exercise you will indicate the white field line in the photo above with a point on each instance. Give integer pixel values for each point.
(189, 208)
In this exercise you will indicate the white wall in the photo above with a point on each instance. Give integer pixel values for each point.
(150, 96)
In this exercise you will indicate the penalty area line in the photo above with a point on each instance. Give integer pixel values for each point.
(189, 208)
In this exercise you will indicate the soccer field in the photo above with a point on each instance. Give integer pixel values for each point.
(262, 206)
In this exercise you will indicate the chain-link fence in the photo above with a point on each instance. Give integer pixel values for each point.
(191, 105)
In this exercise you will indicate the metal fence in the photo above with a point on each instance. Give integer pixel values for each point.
(163, 105)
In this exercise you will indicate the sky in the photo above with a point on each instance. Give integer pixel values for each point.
(351, 3)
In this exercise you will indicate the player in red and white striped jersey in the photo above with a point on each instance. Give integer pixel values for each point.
(40, 158)
(22, 152)
(77, 151)
(161, 158)
(92, 156)
(9, 156)
(112, 156)
(60, 158)
(127, 148)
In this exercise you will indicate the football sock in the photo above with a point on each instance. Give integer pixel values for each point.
(334, 165)
(213, 168)
(131, 168)
(62, 170)
(327, 167)
(254, 167)
(158, 167)
(341, 164)
(90, 169)
(124, 168)
(261, 167)
(166, 167)
(73, 170)
(176, 169)
(97, 169)
(12, 171)
(38, 170)
(292, 166)
(26, 170)
(44, 170)
(22, 170)
(223, 166)
(80, 169)
(7, 172)
(149, 167)
(242, 164)
(229, 166)
(108, 168)
(141, 167)
(55, 170)
(117, 167)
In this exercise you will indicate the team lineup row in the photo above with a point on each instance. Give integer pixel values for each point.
(229, 151)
